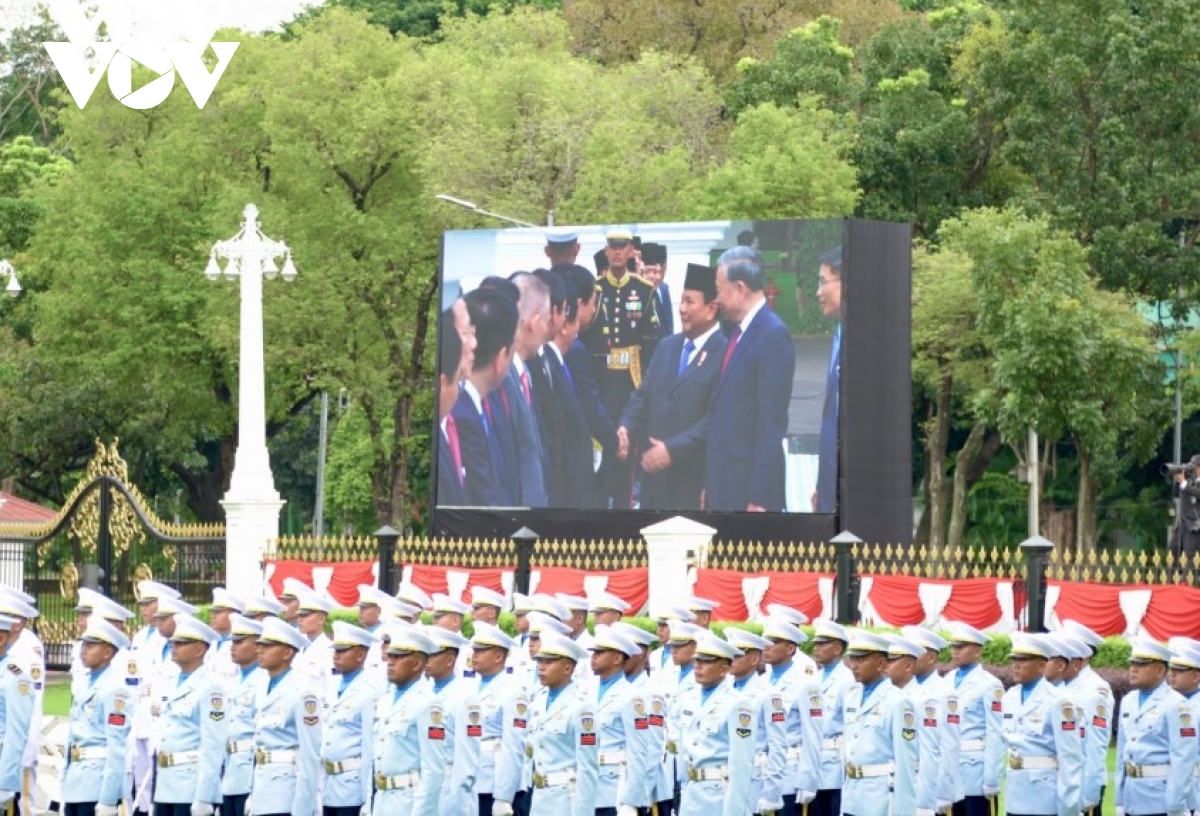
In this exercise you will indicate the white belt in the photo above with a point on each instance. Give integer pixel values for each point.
(972, 745)
(867, 771)
(612, 757)
(77, 754)
(1134, 771)
(1040, 763)
(832, 743)
(760, 765)
(793, 754)
(405, 780)
(554, 779)
(271, 756)
(715, 773)
(239, 746)
(341, 766)
(489, 745)
(178, 758)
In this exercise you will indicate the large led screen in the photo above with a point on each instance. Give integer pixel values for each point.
(686, 367)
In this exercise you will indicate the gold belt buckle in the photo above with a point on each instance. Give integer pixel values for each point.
(1015, 762)
(381, 782)
(528, 750)
(260, 756)
(75, 753)
(693, 773)
(1133, 771)
(164, 760)
(539, 781)
(330, 767)
(672, 748)
(853, 771)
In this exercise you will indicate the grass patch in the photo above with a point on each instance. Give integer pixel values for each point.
(56, 701)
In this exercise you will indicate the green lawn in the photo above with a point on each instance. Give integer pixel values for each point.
(57, 702)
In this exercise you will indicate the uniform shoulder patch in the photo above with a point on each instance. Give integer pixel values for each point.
(778, 714)
(15, 669)
(311, 708)
(24, 687)
(437, 719)
(474, 721)
(997, 699)
(745, 718)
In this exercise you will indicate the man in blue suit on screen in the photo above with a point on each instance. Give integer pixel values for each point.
(829, 295)
(748, 420)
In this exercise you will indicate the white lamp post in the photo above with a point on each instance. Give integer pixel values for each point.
(13, 287)
(473, 207)
(252, 504)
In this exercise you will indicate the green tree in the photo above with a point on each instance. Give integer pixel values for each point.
(28, 81)
(415, 18)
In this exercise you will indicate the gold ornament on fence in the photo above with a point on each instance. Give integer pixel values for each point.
(68, 583)
(141, 573)
(124, 527)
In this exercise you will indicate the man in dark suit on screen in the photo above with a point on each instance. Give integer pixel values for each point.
(748, 419)
(829, 295)
(488, 482)
(667, 416)
(451, 481)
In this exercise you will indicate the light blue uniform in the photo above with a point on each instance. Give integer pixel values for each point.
(191, 747)
(834, 683)
(18, 698)
(797, 769)
(930, 715)
(287, 743)
(1156, 749)
(464, 734)
(880, 750)
(1093, 696)
(348, 741)
(717, 753)
(656, 718)
(627, 748)
(410, 752)
(505, 709)
(980, 697)
(1045, 752)
(563, 744)
(679, 699)
(942, 780)
(97, 738)
(771, 728)
(242, 703)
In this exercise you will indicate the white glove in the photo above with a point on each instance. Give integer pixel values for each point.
(925, 812)
(106, 810)
(502, 808)
(201, 809)
(626, 810)
(803, 797)
(991, 791)
(7, 796)
(767, 806)
(366, 810)
(1120, 811)
(943, 806)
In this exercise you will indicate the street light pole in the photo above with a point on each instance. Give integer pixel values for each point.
(252, 504)
(473, 207)
(13, 287)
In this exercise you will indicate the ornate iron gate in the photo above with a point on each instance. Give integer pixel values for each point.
(108, 537)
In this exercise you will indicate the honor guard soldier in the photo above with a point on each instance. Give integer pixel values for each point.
(930, 687)
(719, 740)
(880, 742)
(242, 700)
(621, 339)
(413, 595)
(1087, 682)
(1092, 713)
(771, 731)
(464, 722)
(681, 698)
(563, 741)
(26, 651)
(287, 732)
(371, 602)
(348, 739)
(1156, 743)
(660, 663)
(315, 663)
(18, 700)
(191, 747)
(83, 611)
(607, 609)
(701, 609)
(792, 776)
(829, 646)
(449, 614)
(225, 604)
(504, 707)
(375, 610)
(981, 738)
(901, 670)
(487, 604)
(293, 588)
(627, 759)
(1183, 676)
(410, 750)
(518, 659)
(1042, 736)
(98, 735)
(149, 652)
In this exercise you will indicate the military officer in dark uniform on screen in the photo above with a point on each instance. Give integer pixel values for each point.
(622, 338)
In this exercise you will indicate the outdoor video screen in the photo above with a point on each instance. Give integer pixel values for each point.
(676, 367)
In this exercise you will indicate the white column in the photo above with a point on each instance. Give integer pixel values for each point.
(667, 545)
(252, 504)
